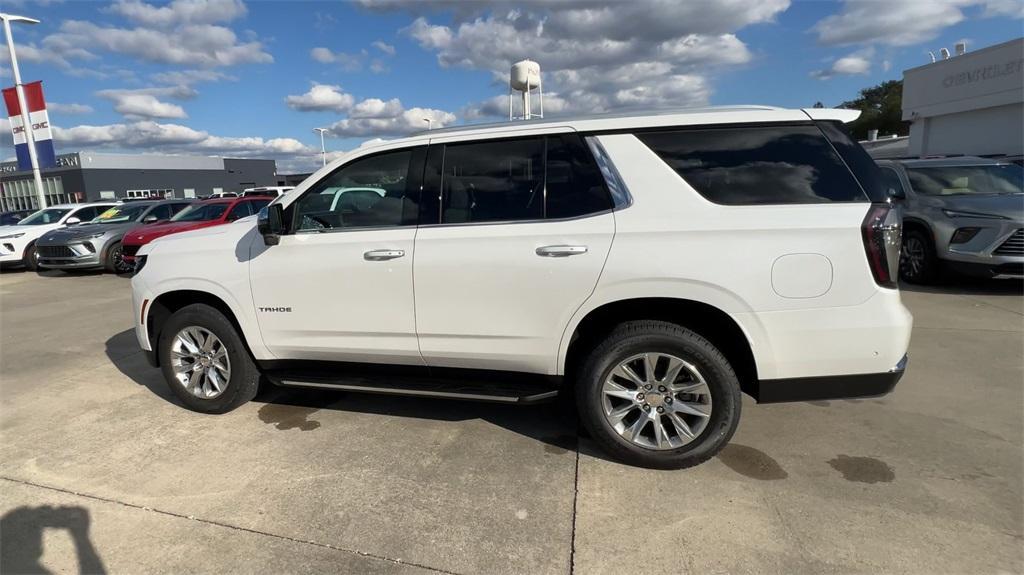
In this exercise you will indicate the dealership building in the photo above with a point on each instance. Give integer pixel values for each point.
(86, 177)
(971, 103)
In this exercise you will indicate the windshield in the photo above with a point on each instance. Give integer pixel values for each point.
(201, 213)
(47, 216)
(120, 214)
(961, 180)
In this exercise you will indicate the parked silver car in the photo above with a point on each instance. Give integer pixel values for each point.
(965, 214)
(97, 244)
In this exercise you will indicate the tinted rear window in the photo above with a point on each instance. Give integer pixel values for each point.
(792, 164)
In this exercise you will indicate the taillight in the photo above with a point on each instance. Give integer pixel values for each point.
(882, 231)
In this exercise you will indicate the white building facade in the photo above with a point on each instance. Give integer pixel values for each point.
(969, 104)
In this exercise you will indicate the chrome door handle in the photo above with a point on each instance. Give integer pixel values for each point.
(382, 255)
(560, 251)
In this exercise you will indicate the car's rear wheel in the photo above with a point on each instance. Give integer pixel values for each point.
(31, 258)
(656, 394)
(205, 362)
(918, 263)
(115, 260)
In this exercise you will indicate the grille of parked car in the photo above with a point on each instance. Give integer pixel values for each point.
(1013, 246)
(130, 250)
(55, 252)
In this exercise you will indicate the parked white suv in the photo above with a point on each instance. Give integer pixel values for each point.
(658, 265)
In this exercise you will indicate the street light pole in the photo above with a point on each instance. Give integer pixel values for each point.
(323, 148)
(26, 122)
(430, 123)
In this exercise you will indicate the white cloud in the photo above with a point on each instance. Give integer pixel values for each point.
(401, 122)
(320, 98)
(154, 137)
(348, 62)
(376, 108)
(902, 23)
(368, 117)
(180, 12)
(852, 64)
(596, 55)
(145, 103)
(189, 77)
(184, 32)
(71, 108)
(384, 47)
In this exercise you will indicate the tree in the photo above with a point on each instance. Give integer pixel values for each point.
(881, 109)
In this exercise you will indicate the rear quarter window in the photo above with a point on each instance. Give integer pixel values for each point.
(744, 165)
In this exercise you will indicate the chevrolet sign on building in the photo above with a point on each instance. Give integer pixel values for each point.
(968, 104)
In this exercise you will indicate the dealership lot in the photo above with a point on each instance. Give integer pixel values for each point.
(101, 468)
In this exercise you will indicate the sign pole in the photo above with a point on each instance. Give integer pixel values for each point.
(26, 122)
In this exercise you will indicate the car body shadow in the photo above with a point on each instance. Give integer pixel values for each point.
(553, 424)
(964, 285)
(22, 530)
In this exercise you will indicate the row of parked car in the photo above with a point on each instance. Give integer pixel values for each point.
(107, 234)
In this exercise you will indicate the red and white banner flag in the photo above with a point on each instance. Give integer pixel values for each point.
(40, 126)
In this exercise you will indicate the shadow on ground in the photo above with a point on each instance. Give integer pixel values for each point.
(554, 423)
(22, 531)
(962, 285)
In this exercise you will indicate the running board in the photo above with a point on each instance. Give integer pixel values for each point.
(497, 392)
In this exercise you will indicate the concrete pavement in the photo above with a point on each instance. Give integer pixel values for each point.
(100, 467)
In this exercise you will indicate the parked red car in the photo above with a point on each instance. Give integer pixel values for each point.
(201, 214)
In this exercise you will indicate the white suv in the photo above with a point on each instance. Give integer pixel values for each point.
(657, 265)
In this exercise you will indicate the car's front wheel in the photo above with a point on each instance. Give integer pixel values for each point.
(205, 362)
(31, 258)
(656, 394)
(115, 260)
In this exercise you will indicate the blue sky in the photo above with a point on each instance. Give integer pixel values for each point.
(253, 79)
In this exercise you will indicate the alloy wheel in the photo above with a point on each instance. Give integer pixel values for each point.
(656, 400)
(912, 257)
(200, 362)
(120, 266)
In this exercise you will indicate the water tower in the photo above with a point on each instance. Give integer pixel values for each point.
(525, 78)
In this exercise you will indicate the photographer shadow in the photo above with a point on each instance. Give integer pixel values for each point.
(21, 530)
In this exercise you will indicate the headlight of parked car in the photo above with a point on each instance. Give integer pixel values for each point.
(12, 236)
(94, 236)
(959, 214)
(140, 262)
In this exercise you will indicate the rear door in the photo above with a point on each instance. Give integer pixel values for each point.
(515, 235)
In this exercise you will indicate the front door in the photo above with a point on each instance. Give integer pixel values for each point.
(340, 287)
(524, 228)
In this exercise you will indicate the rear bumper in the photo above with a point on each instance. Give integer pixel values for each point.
(828, 387)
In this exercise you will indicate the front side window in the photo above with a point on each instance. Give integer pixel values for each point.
(161, 213)
(201, 213)
(792, 164)
(961, 180)
(366, 193)
(47, 216)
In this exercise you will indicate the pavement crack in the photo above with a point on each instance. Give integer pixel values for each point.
(233, 527)
(575, 498)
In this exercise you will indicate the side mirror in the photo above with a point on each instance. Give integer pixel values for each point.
(150, 219)
(72, 221)
(897, 194)
(270, 223)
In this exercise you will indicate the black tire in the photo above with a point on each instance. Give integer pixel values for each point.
(115, 263)
(244, 376)
(31, 258)
(645, 336)
(918, 263)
